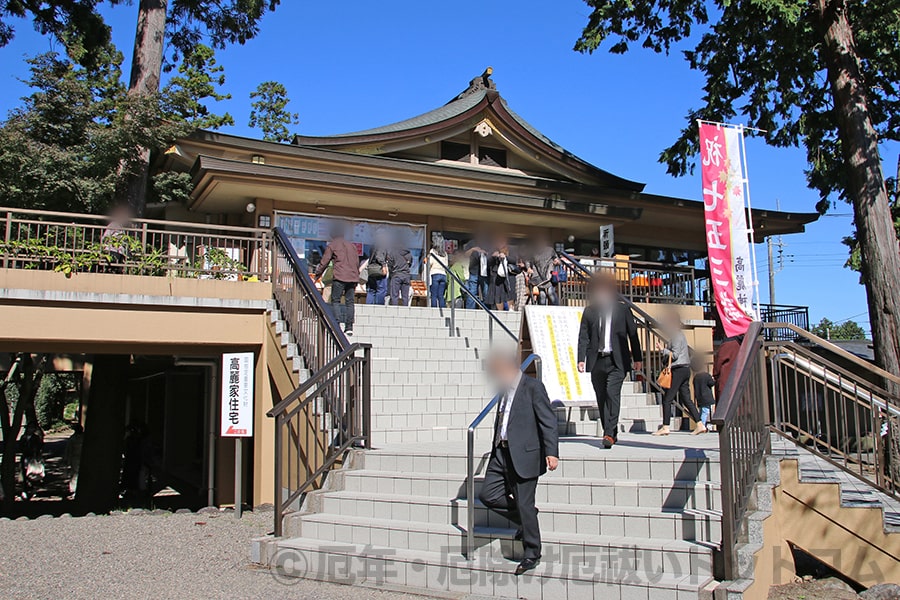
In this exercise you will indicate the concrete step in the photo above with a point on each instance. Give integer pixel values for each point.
(587, 491)
(637, 522)
(619, 463)
(390, 568)
(676, 558)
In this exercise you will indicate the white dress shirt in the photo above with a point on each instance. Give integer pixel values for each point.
(606, 329)
(506, 405)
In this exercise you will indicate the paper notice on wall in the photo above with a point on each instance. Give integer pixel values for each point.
(554, 337)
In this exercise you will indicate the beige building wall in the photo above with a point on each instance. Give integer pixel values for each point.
(852, 540)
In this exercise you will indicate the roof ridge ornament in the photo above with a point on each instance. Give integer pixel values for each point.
(480, 83)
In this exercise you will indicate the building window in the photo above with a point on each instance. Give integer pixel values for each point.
(492, 157)
(455, 151)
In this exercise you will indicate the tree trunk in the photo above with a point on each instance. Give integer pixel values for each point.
(146, 70)
(11, 425)
(30, 382)
(859, 144)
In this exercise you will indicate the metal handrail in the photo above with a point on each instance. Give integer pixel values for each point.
(328, 413)
(838, 406)
(646, 279)
(72, 242)
(493, 318)
(302, 277)
(315, 379)
(470, 456)
(741, 422)
(819, 341)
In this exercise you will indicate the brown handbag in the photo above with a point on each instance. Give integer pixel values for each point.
(665, 376)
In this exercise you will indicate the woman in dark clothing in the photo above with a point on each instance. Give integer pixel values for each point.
(502, 272)
(703, 391)
(677, 354)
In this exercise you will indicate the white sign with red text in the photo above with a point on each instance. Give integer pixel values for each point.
(237, 394)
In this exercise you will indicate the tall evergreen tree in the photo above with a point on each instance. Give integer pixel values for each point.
(822, 74)
(269, 112)
(184, 23)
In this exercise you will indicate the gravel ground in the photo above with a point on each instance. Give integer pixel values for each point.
(168, 555)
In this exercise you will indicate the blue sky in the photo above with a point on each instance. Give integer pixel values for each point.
(357, 64)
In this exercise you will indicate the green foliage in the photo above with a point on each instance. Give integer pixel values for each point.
(198, 79)
(171, 186)
(52, 252)
(51, 398)
(69, 146)
(269, 112)
(848, 330)
(217, 264)
(75, 23)
(762, 59)
(79, 25)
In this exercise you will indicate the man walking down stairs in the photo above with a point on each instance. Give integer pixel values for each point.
(640, 520)
(525, 446)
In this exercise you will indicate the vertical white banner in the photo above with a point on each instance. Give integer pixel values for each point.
(237, 394)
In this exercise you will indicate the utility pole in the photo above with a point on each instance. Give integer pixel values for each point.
(769, 245)
(772, 270)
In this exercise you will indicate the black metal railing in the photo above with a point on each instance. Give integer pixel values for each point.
(328, 413)
(308, 318)
(639, 281)
(742, 423)
(470, 456)
(837, 406)
(798, 316)
(453, 282)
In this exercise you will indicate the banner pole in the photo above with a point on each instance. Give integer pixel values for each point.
(750, 220)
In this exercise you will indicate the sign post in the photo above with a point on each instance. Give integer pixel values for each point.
(237, 412)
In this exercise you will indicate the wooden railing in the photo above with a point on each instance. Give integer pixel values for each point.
(72, 243)
(331, 411)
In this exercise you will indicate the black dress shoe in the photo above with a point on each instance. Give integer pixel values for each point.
(608, 441)
(527, 565)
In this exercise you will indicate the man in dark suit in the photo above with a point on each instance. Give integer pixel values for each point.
(526, 445)
(607, 329)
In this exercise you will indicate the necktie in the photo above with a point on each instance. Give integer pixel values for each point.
(501, 417)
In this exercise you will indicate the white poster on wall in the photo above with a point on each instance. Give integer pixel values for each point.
(554, 337)
(237, 394)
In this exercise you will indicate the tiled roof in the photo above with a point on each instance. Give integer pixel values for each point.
(448, 111)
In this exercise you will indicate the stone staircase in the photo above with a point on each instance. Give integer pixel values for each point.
(289, 351)
(639, 521)
(417, 364)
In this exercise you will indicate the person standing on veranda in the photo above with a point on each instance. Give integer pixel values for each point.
(437, 258)
(677, 354)
(345, 257)
(607, 330)
(377, 270)
(399, 264)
